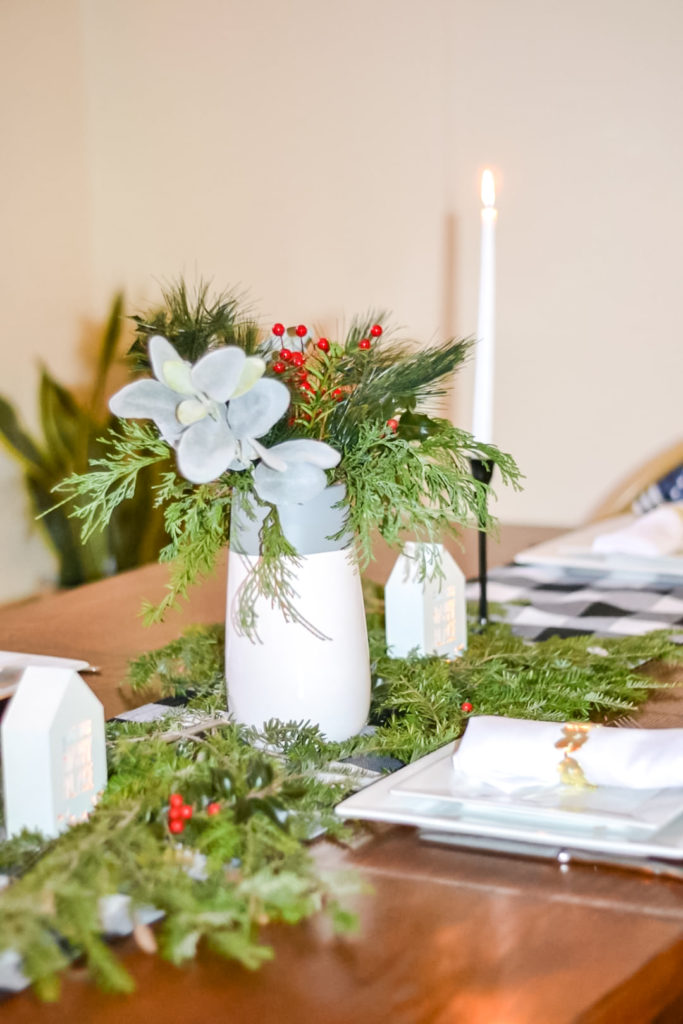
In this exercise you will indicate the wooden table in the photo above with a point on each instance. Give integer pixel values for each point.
(445, 936)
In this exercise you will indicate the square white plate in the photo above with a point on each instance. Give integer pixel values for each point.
(423, 795)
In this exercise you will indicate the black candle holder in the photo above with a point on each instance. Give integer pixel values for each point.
(482, 471)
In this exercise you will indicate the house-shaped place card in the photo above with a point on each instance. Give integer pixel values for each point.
(425, 610)
(54, 763)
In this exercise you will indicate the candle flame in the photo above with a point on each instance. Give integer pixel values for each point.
(488, 189)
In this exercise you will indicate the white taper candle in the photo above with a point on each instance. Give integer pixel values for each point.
(482, 417)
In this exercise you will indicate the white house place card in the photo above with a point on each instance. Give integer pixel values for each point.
(54, 762)
(425, 612)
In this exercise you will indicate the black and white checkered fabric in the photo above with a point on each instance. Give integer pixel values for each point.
(544, 601)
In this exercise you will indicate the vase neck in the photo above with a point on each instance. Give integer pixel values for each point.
(308, 527)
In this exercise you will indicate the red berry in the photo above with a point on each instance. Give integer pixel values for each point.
(392, 424)
(285, 354)
(307, 386)
(186, 812)
(376, 331)
(324, 345)
(298, 358)
(279, 367)
(278, 330)
(301, 331)
(338, 394)
(175, 800)
(466, 706)
(364, 343)
(174, 813)
(213, 809)
(176, 826)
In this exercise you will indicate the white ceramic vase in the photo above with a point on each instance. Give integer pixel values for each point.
(290, 672)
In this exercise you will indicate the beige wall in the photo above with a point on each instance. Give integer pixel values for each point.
(45, 266)
(326, 157)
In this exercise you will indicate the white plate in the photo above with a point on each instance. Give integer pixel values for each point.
(574, 551)
(423, 795)
(12, 664)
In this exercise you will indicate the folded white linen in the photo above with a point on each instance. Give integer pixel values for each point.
(512, 753)
(659, 532)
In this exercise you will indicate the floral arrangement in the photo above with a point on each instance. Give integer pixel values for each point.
(276, 417)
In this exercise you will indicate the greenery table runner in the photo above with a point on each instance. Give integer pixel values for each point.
(209, 824)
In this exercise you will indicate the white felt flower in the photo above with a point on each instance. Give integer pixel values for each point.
(293, 472)
(211, 412)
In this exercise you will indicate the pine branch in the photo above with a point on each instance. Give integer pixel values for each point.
(195, 322)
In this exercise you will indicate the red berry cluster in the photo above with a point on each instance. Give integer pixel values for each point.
(375, 332)
(292, 367)
(179, 813)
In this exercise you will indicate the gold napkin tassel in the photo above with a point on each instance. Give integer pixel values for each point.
(574, 735)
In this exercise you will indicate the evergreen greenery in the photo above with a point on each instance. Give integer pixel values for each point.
(408, 479)
(230, 873)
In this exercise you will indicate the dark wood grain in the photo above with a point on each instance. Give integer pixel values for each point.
(445, 936)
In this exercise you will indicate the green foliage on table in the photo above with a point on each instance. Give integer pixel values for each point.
(71, 428)
(230, 873)
(408, 480)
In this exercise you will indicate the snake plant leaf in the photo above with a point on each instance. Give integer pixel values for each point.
(65, 425)
(19, 442)
(107, 352)
(254, 413)
(205, 450)
(136, 530)
(62, 533)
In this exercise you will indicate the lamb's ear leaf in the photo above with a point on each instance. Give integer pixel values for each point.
(254, 413)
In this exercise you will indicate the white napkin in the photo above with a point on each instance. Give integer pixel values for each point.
(511, 753)
(19, 659)
(659, 532)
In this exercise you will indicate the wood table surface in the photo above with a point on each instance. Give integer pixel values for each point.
(445, 935)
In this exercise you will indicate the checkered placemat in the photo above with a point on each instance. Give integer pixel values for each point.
(544, 601)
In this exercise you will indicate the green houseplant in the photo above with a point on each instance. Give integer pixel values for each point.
(71, 427)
